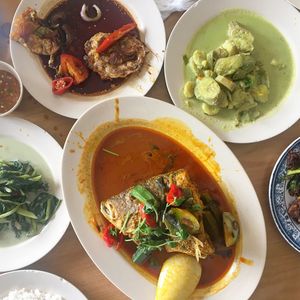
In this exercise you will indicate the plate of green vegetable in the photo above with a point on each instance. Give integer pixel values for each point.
(33, 217)
(232, 64)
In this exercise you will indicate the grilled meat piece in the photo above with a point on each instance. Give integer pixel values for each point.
(293, 160)
(30, 32)
(294, 210)
(117, 209)
(123, 58)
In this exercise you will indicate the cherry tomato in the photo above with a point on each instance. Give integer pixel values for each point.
(150, 219)
(61, 85)
(111, 237)
(174, 193)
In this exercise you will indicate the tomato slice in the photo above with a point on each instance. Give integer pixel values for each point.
(115, 36)
(111, 237)
(61, 85)
(174, 193)
(149, 218)
(74, 67)
(107, 237)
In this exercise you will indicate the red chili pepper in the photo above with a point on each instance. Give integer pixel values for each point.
(150, 220)
(74, 67)
(107, 236)
(174, 193)
(61, 85)
(115, 36)
(110, 240)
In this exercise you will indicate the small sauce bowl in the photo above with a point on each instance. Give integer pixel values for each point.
(4, 95)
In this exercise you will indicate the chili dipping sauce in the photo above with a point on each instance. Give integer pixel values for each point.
(9, 91)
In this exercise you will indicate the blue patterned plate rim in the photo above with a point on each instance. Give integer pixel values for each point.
(286, 226)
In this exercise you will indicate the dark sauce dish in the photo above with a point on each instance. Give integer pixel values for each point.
(75, 31)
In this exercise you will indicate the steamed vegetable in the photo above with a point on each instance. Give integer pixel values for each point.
(229, 77)
(231, 229)
(25, 204)
(186, 219)
(178, 278)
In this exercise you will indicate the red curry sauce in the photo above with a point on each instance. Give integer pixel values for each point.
(9, 91)
(144, 153)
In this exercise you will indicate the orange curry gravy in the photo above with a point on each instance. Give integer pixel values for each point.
(144, 153)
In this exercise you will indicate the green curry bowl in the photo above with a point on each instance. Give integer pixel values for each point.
(234, 66)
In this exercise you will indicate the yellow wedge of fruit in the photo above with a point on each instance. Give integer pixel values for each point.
(178, 278)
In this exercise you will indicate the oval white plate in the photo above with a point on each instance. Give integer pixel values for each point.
(295, 3)
(44, 281)
(273, 123)
(31, 250)
(38, 83)
(113, 265)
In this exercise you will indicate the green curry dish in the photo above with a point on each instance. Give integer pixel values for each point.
(229, 77)
(25, 204)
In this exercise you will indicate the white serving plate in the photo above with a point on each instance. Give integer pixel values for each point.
(281, 117)
(295, 3)
(30, 250)
(109, 261)
(38, 83)
(44, 281)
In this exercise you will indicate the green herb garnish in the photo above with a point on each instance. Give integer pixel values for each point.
(151, 204)
(185, 59)
(110, 152)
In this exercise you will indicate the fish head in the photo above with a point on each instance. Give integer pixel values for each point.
(110, 212)
(116, 208)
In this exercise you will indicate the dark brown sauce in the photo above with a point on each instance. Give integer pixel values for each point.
(143, 153)
(113, 17)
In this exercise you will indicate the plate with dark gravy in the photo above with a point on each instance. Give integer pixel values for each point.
(73, 54)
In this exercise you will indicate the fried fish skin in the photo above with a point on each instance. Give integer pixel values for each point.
(29, 31)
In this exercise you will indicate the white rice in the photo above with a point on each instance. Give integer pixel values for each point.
(28, 294)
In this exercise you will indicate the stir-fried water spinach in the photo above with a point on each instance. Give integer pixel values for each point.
(25, 204)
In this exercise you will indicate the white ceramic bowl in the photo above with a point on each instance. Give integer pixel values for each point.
(6, 67)
(44, 281)
(284, 17)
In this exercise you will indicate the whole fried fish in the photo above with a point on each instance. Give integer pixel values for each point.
(124, 207)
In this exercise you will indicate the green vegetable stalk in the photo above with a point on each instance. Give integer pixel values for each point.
(25, 204)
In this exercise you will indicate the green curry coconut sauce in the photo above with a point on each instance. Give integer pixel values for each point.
(270, 48)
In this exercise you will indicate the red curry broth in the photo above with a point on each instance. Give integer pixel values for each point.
(144, 153)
